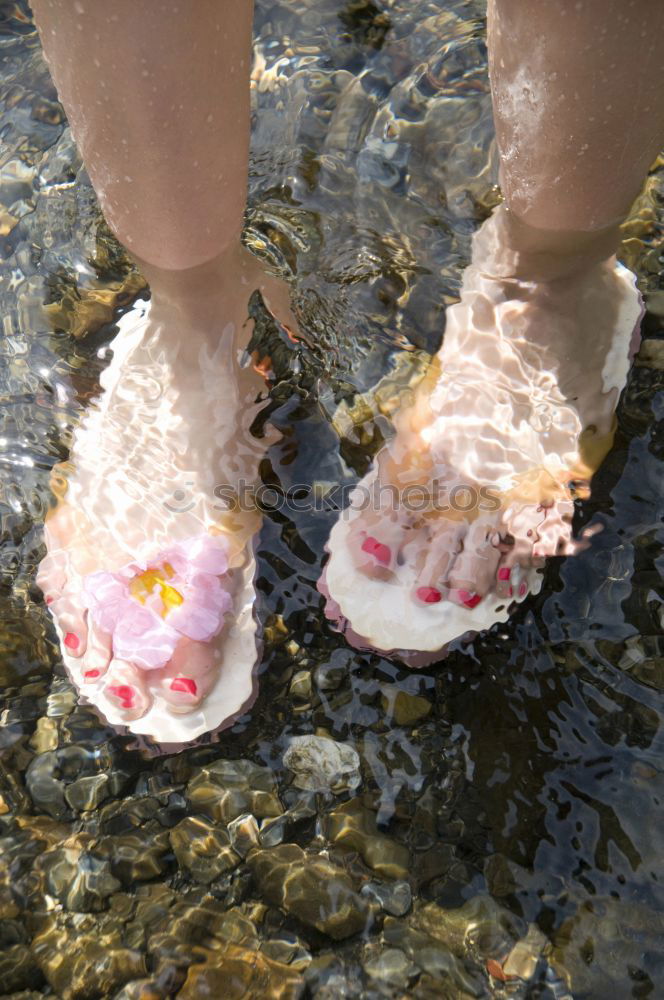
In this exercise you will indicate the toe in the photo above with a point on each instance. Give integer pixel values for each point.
(97, 655)
(504, 585)
(189, 677)
(51, 576)
(434, 553)
(126, 690)
(473, 572)
(376, 547)
(72, 621)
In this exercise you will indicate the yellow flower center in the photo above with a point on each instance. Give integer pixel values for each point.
(144, 584)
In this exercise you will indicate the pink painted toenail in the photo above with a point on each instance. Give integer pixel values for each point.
(469, 599)
(124, 692)
(185, 684)
(49, 600)
(378, 550)
(72, 641)
(92, 673)
(522, 589)
(429, 595)
(504, 573)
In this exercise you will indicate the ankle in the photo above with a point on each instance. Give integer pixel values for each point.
(509, 247)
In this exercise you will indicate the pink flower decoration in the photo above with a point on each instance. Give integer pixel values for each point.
(149, 605)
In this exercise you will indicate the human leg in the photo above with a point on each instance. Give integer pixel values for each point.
(159, 105)
(521, 398)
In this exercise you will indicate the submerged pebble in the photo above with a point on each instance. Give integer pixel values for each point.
(311, 888)
(320, 764)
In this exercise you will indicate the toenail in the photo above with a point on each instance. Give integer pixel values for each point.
(429, 595)
(49, 600)
(504, 573)
(469, 599)
(92, 673)
(522, 590)
(124, 692)
(72, 641)
(185, 684)
(378, 550)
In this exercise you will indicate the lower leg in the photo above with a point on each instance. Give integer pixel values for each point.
(158, 101)
(578, 118)
(521, 401)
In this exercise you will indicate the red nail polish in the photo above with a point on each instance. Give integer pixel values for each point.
(49, 600)
(504, 573)
(428, 595)
(185, 684)
(124, 693)
(378, 550)
(92, 673)
(522, 589)
(470, 600)
(72, 641)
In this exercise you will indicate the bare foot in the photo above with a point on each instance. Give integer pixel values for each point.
(149, 566)
(476, 489)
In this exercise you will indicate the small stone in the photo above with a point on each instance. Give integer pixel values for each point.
(138, 856)
(395, 898)
(273, 831)
(8, 222)
(300, 686)
(481, 924)
(495, 969)
(227, 789)
(202, 850)
(236, 974)
(353, 826)
(80, 965)
(288, 949)
(48, 112)
(406, 709)
(77, 876)
(320, 764)
(87, 792)
(329, 676)
(17, 969)
(432, 957)
(499, 876)
(243, 834)
(523, 959)
(45, 736)
(392, 968)
(310, 888)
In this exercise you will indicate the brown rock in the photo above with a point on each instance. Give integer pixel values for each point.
(310, 888)
(238, 974)
(202, 849)
(227, 789)
(85, 966)
(353, 826)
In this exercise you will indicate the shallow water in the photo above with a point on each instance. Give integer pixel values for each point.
(511, 793)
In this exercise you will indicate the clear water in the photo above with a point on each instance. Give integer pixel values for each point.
(525, 787)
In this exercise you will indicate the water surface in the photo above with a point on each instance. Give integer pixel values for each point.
(509, 794)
